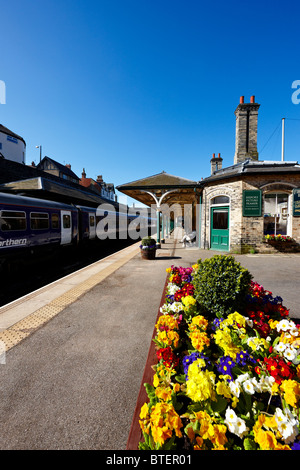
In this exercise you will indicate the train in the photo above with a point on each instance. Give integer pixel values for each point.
(31, 226)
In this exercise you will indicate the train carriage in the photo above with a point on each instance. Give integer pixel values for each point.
(29, 224)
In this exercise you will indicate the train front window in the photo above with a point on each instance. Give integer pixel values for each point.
(39, 221)
(12, 220)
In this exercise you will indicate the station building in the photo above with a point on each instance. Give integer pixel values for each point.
(12, 145)
(236, 207)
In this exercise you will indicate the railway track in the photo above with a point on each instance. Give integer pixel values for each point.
(25, 276)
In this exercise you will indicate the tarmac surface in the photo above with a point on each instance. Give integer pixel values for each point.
(71, 382)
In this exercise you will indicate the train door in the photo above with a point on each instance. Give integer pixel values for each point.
(66, 227)
(92, 224)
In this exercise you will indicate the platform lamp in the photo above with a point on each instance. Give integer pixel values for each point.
(39, 147)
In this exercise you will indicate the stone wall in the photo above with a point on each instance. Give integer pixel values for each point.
(246, 233)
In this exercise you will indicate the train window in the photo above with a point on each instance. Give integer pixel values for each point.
(92, 221)
(54, 221)
(12, 220)
(39, 221)
(66, 221)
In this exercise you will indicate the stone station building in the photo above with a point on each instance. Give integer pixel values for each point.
(237, 206)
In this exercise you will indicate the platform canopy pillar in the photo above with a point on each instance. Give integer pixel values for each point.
(167, 195)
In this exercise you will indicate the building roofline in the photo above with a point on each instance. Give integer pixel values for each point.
(7, 131)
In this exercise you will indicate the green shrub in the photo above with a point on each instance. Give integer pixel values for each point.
(221, 285)
(148, 241)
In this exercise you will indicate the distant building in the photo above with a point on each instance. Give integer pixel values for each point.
(57, 169)
(12, 146)
(106, 190)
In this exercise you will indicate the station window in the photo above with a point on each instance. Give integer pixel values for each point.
(39, 221)
(220, 200)
(54, 221)
(12, 220)
(276, 214)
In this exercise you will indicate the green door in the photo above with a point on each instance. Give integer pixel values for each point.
(219, 237)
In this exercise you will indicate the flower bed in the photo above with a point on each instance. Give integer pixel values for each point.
(229, 383)
(277, 238)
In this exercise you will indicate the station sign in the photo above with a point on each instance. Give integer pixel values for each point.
(296, 202)
(252, 203)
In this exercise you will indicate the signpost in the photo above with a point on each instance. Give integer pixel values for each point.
(296, 202)
(252, 203)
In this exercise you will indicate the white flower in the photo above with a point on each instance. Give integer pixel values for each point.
(176, 307)
(294, 331)
(230, 416)
(249, 322)
(290, 354)
(172, 288)
(266, 383)
(241, 428)
(235, 388)
(248, 387)
(283, 325)
(235, 424)
(287, 425)
(280, 347)
(165, 309)
(241, 378)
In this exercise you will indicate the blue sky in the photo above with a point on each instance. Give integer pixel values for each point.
(130, 88)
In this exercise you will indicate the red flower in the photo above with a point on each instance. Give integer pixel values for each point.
(168, 357)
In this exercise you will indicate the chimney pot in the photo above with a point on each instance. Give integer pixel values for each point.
(214, 155)
(242, 100)
(219, 155)
(252, 99)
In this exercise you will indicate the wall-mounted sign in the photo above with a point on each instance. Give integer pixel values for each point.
(12, 139)
(251, 203)
(296, 202)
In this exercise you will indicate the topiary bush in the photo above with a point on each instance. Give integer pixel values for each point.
(221, 285)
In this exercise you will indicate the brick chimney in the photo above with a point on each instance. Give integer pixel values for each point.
(246, 130)
(216, 163)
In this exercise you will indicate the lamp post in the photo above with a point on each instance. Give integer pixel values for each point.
(39, 147)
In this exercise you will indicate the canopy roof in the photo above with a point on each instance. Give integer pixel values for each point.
(162, 188)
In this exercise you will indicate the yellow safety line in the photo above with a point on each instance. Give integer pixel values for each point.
(22, 329)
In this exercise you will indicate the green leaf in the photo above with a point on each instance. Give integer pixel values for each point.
(249, 444)
(220, 405)
(180, 378)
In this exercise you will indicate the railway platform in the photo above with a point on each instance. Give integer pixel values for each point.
(72, 383)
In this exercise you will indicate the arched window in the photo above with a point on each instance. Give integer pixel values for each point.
(220, 200)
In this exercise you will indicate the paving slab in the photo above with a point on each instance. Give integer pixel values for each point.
(72, 382)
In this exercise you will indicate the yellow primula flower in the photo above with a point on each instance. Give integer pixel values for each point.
(223, 389)
(167, 321)
(198, 321)
(188, 301)
(199, 340)
(170, 338)
(164, 420)
(164, 393)
(291, 390)
(224, 340)
(200, 384)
